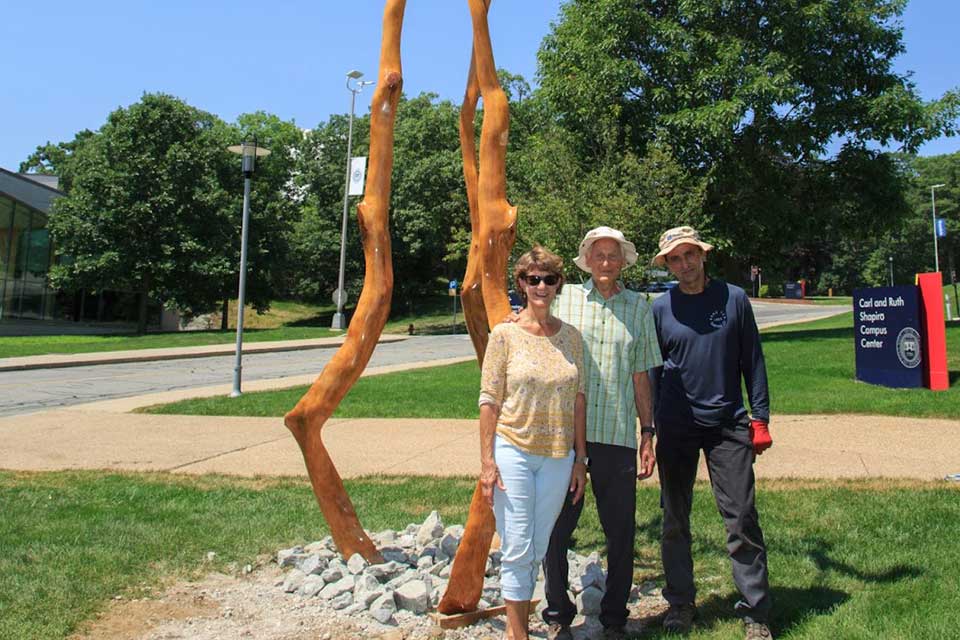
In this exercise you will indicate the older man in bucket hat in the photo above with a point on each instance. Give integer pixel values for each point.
(709, 342)
(619, 347)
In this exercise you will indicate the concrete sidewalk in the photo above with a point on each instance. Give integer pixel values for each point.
(101, 436)
(58, 360)
(104, 435)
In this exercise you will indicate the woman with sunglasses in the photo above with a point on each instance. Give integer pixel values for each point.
(532, 429)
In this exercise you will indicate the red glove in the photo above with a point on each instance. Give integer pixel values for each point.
(760, 436)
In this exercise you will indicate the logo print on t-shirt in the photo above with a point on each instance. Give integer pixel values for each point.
(718, 319)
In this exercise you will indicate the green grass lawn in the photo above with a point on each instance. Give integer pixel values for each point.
(832, 300)
(441, 392)
(810, 367)
(73, 540)
(952, 294)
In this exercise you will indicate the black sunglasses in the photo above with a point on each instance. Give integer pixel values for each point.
(534, 281)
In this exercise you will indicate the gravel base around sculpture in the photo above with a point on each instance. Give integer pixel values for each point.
(255, 601)
(409, 584)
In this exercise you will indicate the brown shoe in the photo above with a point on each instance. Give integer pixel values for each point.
(679, 618)
(558, 631)
(757, 631)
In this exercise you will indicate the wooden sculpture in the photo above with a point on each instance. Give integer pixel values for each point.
(485, 302)
(493, 234)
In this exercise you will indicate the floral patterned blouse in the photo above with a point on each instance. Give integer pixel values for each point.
(534, 380)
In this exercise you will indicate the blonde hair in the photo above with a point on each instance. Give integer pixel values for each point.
(537, 258)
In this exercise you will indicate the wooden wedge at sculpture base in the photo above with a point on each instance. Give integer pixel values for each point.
(485, 302)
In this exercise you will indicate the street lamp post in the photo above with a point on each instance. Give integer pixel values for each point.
(891, 271)
(249, 152)
(338, 318)
(933, 207)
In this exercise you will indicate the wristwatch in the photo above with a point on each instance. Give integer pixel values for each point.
(648, 430)
(584, 460)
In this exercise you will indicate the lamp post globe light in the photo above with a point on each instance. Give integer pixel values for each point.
(249, 151)
(933, 207)
(355, 85)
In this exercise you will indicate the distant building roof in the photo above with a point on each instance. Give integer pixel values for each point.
(46, 180)
(33, 190)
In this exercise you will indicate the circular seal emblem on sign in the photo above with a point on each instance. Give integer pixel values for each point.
(908, 347)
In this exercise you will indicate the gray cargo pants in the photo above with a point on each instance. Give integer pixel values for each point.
(729, 455)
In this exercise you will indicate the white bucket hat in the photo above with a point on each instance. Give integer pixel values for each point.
(673, 238)
(627, 247)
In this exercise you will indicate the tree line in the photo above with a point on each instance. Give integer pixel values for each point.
(766, 125)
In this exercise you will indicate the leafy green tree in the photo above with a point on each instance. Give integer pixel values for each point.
(55, 159)
(428, 208)
(640, 196)
(274, 210)
(911, 242)
(315, 237)
(429, 200)
(146, 209)
(748, 95)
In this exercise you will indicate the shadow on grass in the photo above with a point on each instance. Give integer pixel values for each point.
(322, 319)
(895, 573)
(791, 606)
(439, 329)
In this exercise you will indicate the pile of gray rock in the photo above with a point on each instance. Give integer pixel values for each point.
(414, 575)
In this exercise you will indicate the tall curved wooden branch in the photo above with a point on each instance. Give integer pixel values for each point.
(308, 417)
(472, 296)
(496, 232)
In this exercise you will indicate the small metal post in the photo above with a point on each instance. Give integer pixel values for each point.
(248, 152)
(242, 296)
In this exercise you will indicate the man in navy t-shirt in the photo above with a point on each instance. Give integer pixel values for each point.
(709, 342)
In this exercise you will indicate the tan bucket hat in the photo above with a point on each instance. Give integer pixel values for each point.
(628, 248)
(672, 238)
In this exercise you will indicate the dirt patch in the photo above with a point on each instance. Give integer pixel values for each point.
(253, 606)
(126, 619)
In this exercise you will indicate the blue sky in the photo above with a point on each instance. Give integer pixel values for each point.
(65, 65)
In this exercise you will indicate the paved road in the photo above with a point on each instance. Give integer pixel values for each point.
(27, 391)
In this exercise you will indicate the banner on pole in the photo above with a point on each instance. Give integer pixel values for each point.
(941, 227)
(358, 170)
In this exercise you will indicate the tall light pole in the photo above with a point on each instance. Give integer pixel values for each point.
(249, 151)
(338, 319)
(891, 271)
(933, 207)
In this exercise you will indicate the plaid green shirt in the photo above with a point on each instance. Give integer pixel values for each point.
(619, 340)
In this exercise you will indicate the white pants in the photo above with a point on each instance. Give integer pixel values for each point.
(536, 487)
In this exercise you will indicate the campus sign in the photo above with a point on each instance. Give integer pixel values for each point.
(889, 345)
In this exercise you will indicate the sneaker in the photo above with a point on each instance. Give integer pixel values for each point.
(557, 631)
(757, 631)
(679, 618)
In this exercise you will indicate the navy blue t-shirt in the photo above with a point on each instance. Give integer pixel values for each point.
(709, 341)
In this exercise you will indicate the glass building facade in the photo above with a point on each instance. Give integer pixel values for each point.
(25, 250)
